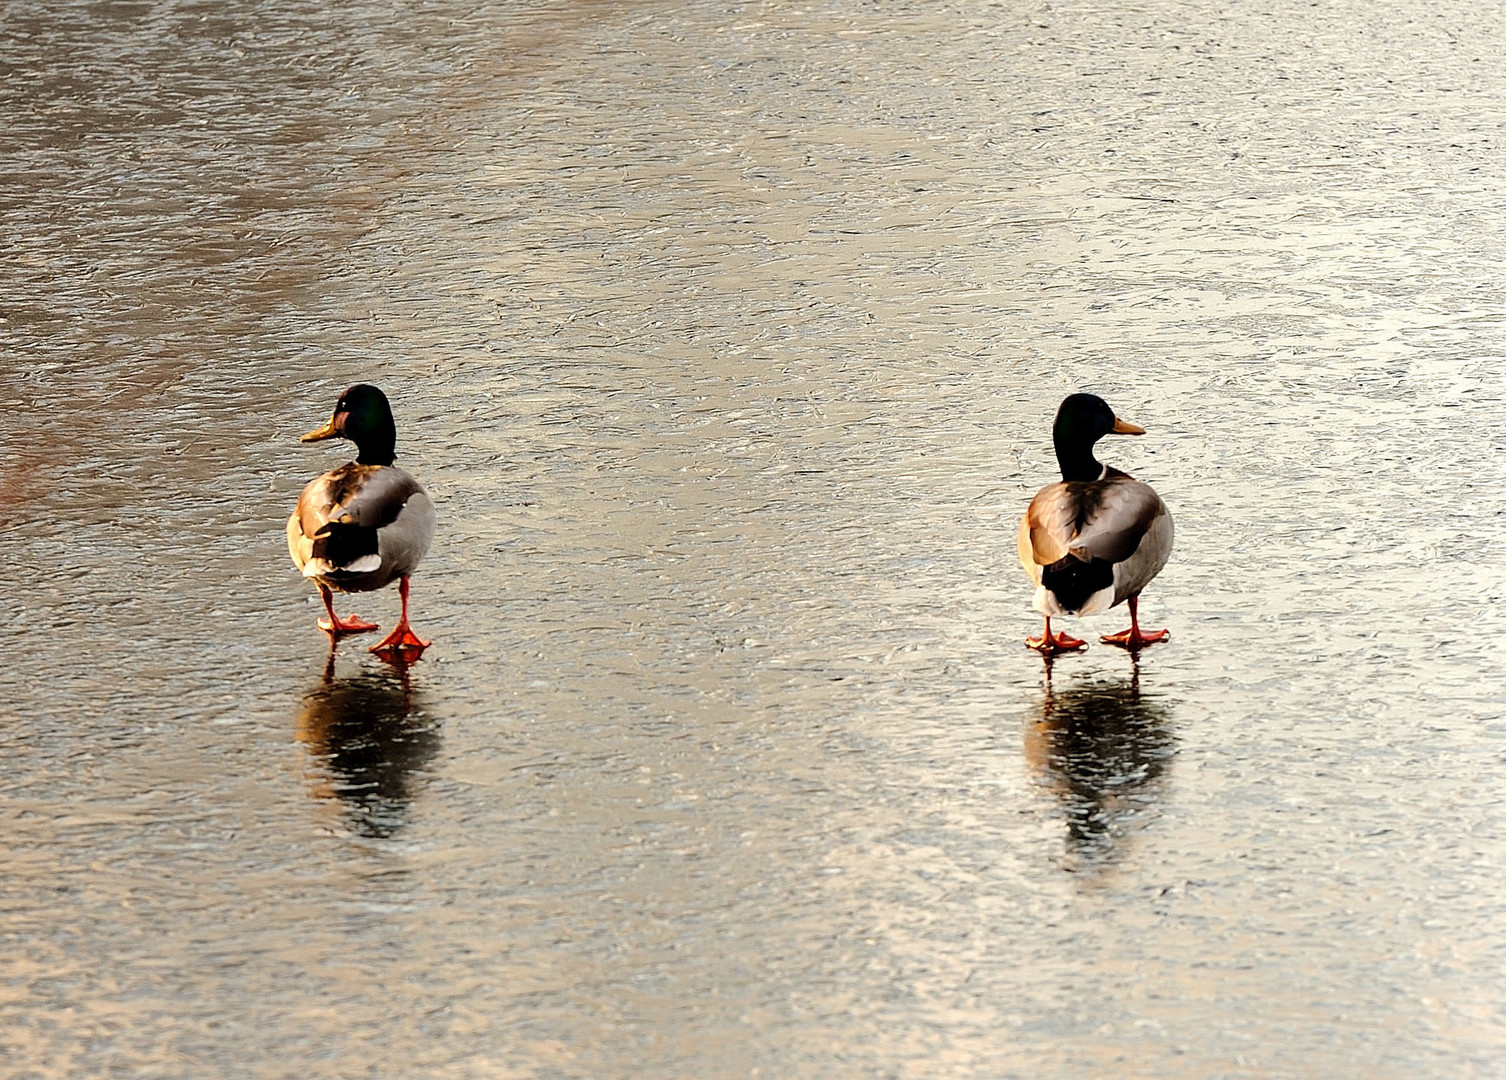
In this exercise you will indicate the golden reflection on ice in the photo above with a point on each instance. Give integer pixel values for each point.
(725, 334)
(1103, 748)
(365, 740)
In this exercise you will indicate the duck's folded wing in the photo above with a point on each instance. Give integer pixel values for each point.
(339, 514)
(369, 496)
(1099, 519)
(1113, 518)
(1048, 526)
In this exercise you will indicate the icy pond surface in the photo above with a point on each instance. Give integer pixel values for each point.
(727, 338)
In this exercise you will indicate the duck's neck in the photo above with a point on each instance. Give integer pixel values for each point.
(376, 451)
(1076, 460)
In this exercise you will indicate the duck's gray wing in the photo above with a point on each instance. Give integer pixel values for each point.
(1047, 529)
(1118, 520)
(342, 514)
(1112, 517)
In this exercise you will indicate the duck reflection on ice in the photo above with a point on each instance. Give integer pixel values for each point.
(366, 739)
(1101, 746)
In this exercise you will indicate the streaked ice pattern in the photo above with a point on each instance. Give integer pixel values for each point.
(727, 338)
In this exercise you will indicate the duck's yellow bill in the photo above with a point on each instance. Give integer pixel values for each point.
(328, 431)
(1121, 427)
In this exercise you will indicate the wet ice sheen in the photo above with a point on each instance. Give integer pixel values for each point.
(727, 338)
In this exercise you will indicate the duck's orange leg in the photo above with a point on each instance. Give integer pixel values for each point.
(402, 646)
(1134, 639)
(1050, 644)
(337, 627)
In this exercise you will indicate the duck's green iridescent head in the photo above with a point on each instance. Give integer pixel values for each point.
(363, 416)
(1081, 421)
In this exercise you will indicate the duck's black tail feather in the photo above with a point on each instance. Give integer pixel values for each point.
(340, 544)
(1072, 581)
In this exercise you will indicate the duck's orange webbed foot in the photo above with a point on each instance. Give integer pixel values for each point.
(1135, 639)
(1049, 644)
(337, 627)
(402, 646)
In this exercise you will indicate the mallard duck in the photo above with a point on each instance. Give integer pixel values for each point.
(1097, 538)
(361, 525)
